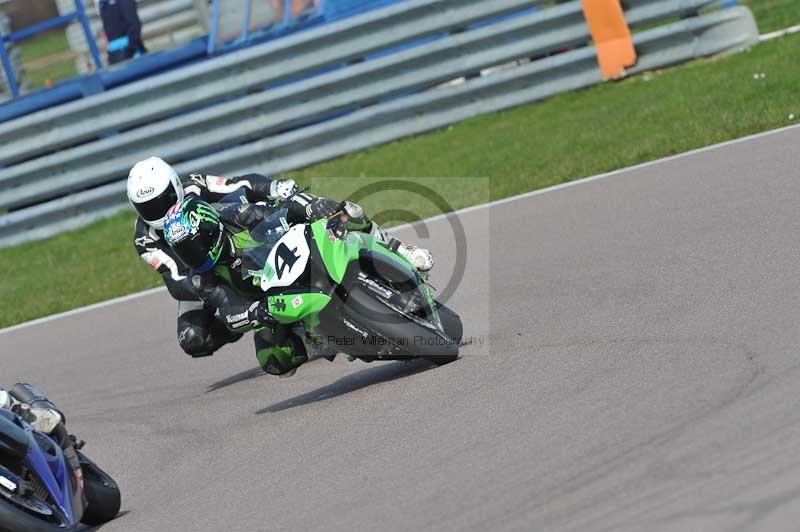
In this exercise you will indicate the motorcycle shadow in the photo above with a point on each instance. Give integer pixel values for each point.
(351, 383)
(246, 375)
(252, 373)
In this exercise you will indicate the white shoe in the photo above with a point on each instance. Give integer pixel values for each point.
(420, 258)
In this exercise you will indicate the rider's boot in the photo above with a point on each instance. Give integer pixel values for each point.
(420, 258)
(280, 361)
(279, 352)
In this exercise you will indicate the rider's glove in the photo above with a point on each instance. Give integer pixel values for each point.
(348, 212)
(283, 188)
(259, 316)
(337, 226)
(321, 208)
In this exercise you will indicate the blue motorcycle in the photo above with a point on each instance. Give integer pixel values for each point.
(46, 483)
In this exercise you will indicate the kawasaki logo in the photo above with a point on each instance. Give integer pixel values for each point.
(142, 192)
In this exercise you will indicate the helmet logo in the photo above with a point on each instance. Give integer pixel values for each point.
(177, 227)
(194, 219)
(143, 192)
(176, 231)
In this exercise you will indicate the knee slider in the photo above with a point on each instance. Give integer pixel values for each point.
(194, 343)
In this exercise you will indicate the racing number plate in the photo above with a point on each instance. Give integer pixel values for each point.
(288, 259)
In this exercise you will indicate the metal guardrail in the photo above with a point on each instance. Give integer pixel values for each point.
(271, 112)
(254, 68)
(363, 97)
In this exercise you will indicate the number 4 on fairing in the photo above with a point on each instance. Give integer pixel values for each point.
(287, 260)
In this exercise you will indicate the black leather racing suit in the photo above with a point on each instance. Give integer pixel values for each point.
(200, 332)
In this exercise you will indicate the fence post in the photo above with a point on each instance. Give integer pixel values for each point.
(246, 19)
(87, 30)
(212, 35)
(9, 68)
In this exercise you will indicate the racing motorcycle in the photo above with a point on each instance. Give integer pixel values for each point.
(350, 292)
(46, 483)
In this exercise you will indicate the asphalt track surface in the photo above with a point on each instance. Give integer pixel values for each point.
(640, 371)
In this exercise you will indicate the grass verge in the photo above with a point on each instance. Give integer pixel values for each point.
(773, 15)
(570, 136)
(40, 47)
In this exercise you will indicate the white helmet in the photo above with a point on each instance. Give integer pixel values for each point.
(154, 187)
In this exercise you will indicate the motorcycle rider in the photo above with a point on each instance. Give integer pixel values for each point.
(154, 186)
(198, 236)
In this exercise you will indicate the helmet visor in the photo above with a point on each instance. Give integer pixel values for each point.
(201, 251)
(156, 208)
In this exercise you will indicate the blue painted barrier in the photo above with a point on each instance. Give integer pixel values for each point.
(79, 14)
(327, 11)
(75, 88)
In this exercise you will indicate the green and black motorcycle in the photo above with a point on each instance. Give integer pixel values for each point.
(349, 291)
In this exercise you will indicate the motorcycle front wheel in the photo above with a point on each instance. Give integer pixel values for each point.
(14, 519)
(103, 498)
(367, 311)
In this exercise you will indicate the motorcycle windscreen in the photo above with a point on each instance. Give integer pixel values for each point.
(266, 234)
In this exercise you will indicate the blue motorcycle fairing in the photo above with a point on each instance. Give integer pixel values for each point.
(13, 439)
(46, 460)
(54, 474)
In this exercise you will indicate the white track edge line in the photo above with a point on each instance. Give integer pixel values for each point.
(437, 217)
(780, 33)
(597, 177)
(80, 310)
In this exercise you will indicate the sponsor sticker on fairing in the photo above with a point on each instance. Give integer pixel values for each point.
(8, 484)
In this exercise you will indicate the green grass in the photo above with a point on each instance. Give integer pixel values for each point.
(773, 15)
(44, 44)
(71, 270)
(41, 46)
(54, 73)
(567, 137)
